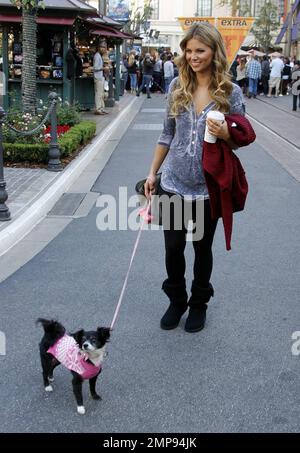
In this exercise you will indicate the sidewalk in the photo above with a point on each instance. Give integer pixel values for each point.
(284, 103)
(277, 115)
(26, 186)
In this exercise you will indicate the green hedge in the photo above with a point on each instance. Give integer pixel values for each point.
(69, 143)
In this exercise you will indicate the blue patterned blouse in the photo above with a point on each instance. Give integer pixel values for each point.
(182, 169)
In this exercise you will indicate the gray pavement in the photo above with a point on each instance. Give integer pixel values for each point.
(23, 186)
(276, 114)
(237, 375)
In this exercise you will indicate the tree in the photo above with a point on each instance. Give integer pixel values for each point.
(265, 24)
(238, 7)
(139, 19)
(29, 27)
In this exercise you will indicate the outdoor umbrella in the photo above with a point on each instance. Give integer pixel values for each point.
(242, 53)
(275, 54)
(255, 52)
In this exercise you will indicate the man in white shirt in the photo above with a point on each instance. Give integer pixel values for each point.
(168, 72)
(276, 67)
(99, 80)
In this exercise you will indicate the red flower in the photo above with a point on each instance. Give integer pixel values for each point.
(60, 131)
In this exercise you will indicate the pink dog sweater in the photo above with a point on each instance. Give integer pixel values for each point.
(67, 352)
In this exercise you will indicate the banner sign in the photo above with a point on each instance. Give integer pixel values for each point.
(118, 9)
(234, 30)
(187, 22)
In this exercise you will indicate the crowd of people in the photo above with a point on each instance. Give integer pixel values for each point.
(266, 76)
(153, 72)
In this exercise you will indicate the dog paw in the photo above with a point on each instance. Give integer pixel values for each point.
(96, 397)
(49, 388)
(81, 410)
(51, 379)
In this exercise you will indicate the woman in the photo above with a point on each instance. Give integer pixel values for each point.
(203, 85)
(132, 70)
(241, 74)
(285, 76)
(265, 75)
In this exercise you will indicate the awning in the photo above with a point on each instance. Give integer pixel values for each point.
(10, 18)
(112, 33)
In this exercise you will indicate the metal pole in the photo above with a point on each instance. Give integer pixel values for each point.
(102, 7)
(4, 211)
(117, 79)
(54, 163)
(290, 27)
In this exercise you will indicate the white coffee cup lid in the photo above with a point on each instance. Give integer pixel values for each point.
(215, 115)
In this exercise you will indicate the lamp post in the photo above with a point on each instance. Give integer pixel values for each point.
(54, 163)
(4, 211)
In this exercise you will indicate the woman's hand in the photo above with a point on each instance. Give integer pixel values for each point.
(218, 128)
(149, 186)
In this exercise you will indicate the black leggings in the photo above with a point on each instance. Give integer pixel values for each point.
(175, 242)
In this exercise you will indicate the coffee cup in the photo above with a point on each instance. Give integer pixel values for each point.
(212, 115)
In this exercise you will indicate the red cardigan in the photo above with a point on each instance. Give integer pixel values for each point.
(225, 177)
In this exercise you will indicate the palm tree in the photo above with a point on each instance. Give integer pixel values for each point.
(29, 14)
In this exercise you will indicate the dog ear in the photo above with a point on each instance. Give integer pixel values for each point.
(78, 336)
(104, 333)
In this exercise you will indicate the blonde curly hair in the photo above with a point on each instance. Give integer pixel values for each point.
(220, 87)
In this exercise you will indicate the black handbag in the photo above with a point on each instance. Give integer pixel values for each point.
(139, 187)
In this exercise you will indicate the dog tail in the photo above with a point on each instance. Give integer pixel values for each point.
(53, 329)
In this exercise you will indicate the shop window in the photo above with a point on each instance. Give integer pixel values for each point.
(204, 8)
(155, 9)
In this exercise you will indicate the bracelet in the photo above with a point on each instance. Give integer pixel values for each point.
(153, 178)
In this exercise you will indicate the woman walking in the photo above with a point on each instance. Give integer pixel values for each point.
(204, 84)
(132, 71)
(241, 74)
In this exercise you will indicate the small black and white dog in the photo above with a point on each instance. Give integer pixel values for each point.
(81, 352)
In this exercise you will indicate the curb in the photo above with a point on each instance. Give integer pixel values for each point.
(23, 224)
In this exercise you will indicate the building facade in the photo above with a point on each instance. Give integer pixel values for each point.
(165, 14)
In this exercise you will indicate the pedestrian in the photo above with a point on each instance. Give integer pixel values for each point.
(265, 74)
(99, 79)
(132, 71)
(176, 72)
(233, 69)
(148, 66)
(254, 74)
(285, 76)
(168, 72)
(296, 84)
(203, 85)
(241, 74)
(157, 73)
(275, 76)
(124, 70)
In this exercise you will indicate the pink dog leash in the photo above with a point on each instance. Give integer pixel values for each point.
(145, 214)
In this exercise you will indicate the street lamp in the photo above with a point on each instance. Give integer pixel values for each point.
(4, 211)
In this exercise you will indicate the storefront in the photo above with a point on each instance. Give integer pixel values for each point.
(66, 41)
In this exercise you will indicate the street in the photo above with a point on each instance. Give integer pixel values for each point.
(237, 375)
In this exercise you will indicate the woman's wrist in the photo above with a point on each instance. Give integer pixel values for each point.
(152, 177)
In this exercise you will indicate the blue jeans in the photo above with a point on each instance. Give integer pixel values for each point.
(253, 86)
(146, 83)
(133, 81)
(168, 80)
